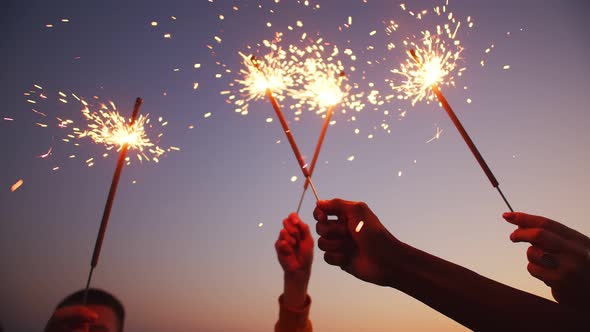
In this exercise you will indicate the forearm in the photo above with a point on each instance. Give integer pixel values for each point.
(477, 302)
(294, 305)
(295, 289)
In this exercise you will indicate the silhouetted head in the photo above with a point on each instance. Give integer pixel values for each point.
(111, 313)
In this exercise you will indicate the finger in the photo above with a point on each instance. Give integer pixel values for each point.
(548, 276)
(289, 225)
(319, 215)
(334, 206)
(331, 230)
(335, 258)
(333, 245)
(284, 235)
(539, 257)
(539, 237)
(303, 230)
(283, 248)
(533, 221)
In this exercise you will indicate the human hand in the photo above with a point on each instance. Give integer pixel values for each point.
(295, 253)
(357, 241)
(558, 255)
(71, 318)
(295, 246)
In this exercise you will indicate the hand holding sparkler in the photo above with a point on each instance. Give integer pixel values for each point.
(359, 244)
(558, 255)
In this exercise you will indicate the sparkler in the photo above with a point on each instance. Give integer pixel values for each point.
(285, 126)
(432, 63)
(94, 122)
(126, 144)
(430, 73)
(330, 95)
(316, 154)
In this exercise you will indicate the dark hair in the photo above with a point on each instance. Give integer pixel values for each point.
(96, 297)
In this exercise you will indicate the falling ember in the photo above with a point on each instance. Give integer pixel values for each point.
(16, 185)
(350, 158)
(506, 67)
(260, 224)
(436, 136)
(46, 154)
(293, 178)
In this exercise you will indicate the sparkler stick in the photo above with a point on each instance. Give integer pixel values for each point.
(316, 153)
(482, 163)
(290, 138)
(110, 200)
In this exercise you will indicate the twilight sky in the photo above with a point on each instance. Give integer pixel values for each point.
(184, 250)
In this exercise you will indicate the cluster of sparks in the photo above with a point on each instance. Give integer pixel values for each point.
(97, 122)
(313, 76)
(435, 58)
(109, 128)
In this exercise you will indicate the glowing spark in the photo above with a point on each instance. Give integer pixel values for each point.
(260, 224)
(16, 185)
(436, 136)
(154, 24)
(293, 178)
(46, 154)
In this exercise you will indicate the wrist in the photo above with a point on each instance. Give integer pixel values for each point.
(399, 264)
(295, 288)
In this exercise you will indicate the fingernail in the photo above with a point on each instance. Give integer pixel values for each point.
(508, 216)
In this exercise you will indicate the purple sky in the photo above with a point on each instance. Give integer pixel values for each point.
(184, 250)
